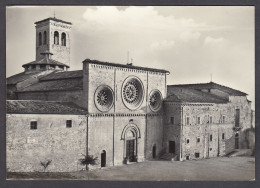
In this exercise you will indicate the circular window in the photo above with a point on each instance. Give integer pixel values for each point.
(132, 92)
(155, 100)
(104, 98)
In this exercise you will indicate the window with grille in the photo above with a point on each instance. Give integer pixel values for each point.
(198, 120)
(172, 120)
(33, 125)
(210, 137)
(68, 123)
(187, 120)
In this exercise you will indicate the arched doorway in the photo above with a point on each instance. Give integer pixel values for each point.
(103, 158)
(237, 141)
(154, 151)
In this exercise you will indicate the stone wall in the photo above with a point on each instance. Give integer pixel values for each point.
(114, 77)
(172, 129)
(108, 133)
(60, 53)
(68, 96)
(26, 148)
(193, 136)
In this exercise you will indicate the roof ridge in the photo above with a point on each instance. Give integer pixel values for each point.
(124, 65)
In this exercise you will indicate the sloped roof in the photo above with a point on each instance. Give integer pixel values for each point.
(179, 94)
(124, 66)
(212, 85)
(21, 77)
(63, 75)
(56, 85)
(54, 19)
(42, 107)
(45, 61)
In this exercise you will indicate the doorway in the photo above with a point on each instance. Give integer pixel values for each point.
(103, 158)
(154, 151)
(237, 141)
(130, 150)
(172, 147)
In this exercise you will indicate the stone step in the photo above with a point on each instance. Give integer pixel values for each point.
(167, 156)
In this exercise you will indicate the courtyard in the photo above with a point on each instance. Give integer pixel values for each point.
(239, 168)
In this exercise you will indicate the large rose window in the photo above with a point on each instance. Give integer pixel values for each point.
(155, 100)
(132, 92)
(104, 98)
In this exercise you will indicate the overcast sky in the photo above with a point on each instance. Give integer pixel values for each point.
(190, 42)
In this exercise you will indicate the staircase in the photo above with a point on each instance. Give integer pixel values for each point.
(240, 152)
(167, 156)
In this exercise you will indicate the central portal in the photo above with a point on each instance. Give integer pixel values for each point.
(130, 135)
(130, 150)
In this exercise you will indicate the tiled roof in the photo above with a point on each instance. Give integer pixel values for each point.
(124, 66)
(45, 61)
(55, 85)
(212, 85)
(63, 75)
(21, 77)
(179, 94)
(54, 19)
(42, 107)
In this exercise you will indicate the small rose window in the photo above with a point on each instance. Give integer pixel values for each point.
(104, 98)
(155, 100)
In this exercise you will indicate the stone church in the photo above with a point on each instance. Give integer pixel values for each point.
(120, 113)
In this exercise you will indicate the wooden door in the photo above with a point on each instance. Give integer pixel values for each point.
(172, 147)
(130, 150)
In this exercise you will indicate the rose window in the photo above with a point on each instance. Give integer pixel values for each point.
(155, 100)
(132, 92)
(104, 98)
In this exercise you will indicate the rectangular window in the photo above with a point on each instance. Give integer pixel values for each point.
(197, 155)
(172, 120)
(237, 117)
(42, 67)
(68, 123)
(223, 136)
(33, 125)
(210, 137)
(187, 157)
(210, 119)
(187, 120)
(198, 139)
(198, 120)
(223, 119)
(33, 66)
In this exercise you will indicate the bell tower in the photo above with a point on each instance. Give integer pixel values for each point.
(53, 35)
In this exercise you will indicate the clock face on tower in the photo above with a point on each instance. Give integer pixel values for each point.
(132, 92)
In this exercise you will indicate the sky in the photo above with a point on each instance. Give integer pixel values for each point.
(193, 43)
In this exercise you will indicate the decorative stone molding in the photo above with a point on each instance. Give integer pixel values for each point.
(104, 98)
(132, 92)
(132, 127)
(155, 100)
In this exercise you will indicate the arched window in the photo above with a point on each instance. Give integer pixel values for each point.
(40, 39)
(45, 37)
(63, 39)
(56, 37)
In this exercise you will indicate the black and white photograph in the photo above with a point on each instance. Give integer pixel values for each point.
(130, 93)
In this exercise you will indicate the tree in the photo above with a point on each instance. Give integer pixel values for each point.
(88, 160)
(46, 164)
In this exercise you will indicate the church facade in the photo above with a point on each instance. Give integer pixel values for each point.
(120, 113)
